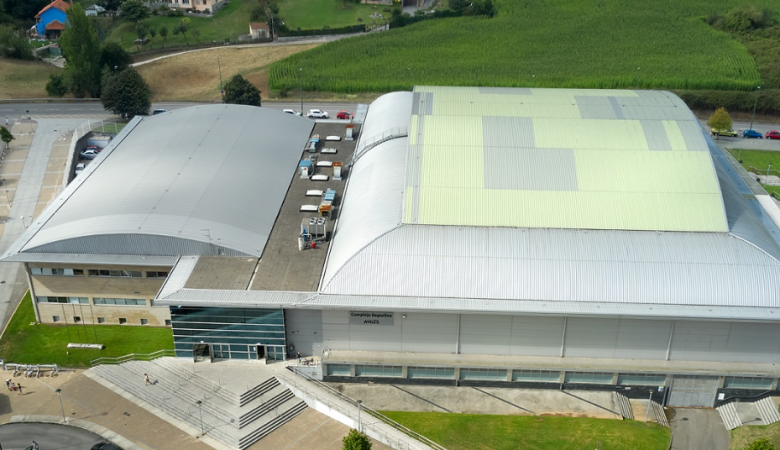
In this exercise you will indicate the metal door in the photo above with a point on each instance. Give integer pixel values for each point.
(693, 392)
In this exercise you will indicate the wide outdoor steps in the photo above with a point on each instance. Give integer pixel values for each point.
(728, 413)
(268, 405)
(660, 414)
(768, 410)
(624, 406)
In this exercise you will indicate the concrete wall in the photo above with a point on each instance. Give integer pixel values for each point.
(106, 287)
(591, 337)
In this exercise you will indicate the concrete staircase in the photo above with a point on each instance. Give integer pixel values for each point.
(728, 413)
(624, 406)
(236, 419)
(768, 410)
(660, 414)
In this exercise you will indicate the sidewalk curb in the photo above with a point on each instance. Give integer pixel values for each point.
(101, 431)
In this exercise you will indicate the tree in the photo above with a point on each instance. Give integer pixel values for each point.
(183, 27)
(164, 33)
(115, 57)
(134, 11)
(112, 6)
(125, 93)
(719, 120)
(14, 43)
(152, 33)
(81, 48)
(24, 10)
(141, 30)
(761, 444)
(196, 34)
(56, 86)
(241, 92)
(356, 440)
(6, 136)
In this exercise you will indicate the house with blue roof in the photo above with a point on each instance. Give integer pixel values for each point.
(51, 20)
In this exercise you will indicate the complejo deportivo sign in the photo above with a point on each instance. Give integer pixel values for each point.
(370, 318)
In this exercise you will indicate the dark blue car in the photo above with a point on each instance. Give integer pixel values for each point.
(752, 134)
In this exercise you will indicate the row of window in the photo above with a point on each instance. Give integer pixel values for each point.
(122, 320)
(97, 273)
(98, 301)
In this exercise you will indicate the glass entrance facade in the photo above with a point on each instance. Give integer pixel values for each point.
(234, 333)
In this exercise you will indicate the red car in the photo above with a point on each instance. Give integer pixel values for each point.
(344, 115)
(773, 134)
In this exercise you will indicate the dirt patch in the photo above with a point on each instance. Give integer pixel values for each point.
(195, 76)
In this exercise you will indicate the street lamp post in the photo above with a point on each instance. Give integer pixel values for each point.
(300, 86)
(62, 408)
(758, 90)
(649, 399)
(767, 173)
(200, 411)
(360, 425)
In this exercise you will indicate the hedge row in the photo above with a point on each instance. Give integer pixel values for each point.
(322, 31)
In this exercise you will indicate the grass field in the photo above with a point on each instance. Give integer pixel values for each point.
(24, 79)
(741, 437)
(757, 160)
(229, 22)
(311, 14)
(556, 43)
(24, 341)
(485, 432)
(195, 76)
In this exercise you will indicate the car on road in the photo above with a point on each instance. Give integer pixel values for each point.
(89, 154)
(105, 446)
(344, 115)
(317, 114)
(159, 111)
(773, 134)
(752, 134)
(80, 168)
(291, 111)
(729, 132)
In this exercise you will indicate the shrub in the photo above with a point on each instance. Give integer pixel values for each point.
(56, 86)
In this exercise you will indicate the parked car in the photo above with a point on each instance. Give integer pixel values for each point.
(105, 446)
(80, 168)
(317, 114)
(89, 154)
(292, 111)
(159, 111)
(729, 132)
(344, 115)
(773, 134)
(752, 134)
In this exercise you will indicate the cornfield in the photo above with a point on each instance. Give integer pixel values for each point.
(537, 43)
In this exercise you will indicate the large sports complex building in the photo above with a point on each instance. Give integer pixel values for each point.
(511, 237)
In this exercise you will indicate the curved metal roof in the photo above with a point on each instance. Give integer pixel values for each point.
(376, 253)
(200, 180)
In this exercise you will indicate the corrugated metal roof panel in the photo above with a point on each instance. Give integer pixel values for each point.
(68, 258)
(188, 181)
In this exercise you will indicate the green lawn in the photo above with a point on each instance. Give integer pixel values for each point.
(115, 127)
(555, 43)
(228, 23)
(24, 341)
(312, 14)
(758, 160)
(486, 432)
(741, 437)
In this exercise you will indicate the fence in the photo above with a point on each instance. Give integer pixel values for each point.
(405, 439)
(132, 357)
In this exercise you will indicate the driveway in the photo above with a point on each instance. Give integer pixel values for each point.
(696, 429)
(48, 436)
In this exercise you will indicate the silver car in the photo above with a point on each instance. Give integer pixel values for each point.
(317, 114)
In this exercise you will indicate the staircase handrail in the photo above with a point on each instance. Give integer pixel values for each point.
(132, 357)
(373, 141)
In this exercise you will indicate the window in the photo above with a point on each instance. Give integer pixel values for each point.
(447, 373)
(747, 383)
(544, 376)
(167, 322)
(589, 377)
(119, 301)
(144, 321)
(76, 319)
(339, 370)
(75, 300)
(55, 318)
(52, 271)
(156, 274)
(483, 374)
(122, 321)
(115, 273)
(101, 320)
(641, 379)
(377, 371)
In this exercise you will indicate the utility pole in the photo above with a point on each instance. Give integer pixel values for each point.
(300, 86)
(221, 89)
(758, 90)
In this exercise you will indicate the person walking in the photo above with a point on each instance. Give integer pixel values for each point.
(8, 384)
(146, 379)
(299, 357)
(35, 445)
(13, 386)
(6, 121)
(19, 386)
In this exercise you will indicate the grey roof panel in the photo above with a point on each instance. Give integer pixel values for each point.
(67, 258)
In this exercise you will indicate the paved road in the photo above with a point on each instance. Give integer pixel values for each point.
(94, 110)
(17, 436)
(752, 144)
(696, 429)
